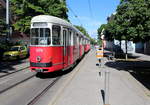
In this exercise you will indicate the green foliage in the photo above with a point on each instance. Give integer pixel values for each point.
(99, 30)
(131, 21)
(24, 10)
(108, 31)
(99, 43)
(83, 30)
(2, 27)
(23, 25)
(93, 41)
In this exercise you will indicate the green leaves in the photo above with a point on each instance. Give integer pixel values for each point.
(24, 10)
(2, 26)
(83, 30)
(131, 21)
(35, 8)
(23, 25)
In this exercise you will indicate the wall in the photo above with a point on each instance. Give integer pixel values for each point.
(147, 47)
(139, 47)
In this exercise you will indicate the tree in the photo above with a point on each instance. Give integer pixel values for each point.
(131, 21)
(99, 30)
(93, 41)
(83, 30)
(133, 18)
(24, 10)
(2, 26)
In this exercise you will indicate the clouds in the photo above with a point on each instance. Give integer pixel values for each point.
(91, 25)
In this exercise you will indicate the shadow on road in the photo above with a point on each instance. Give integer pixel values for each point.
(140, 70)
(7, 66)
(53, 74)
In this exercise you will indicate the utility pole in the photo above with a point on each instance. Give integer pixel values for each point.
(7, 19)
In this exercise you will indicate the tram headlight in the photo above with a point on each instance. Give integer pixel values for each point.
(38, 58)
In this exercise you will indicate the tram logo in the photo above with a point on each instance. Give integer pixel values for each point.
(38, 58)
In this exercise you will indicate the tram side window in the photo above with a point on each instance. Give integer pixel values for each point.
(56, 38)
(74, 39)
(77, 39)
(80, 40)
(70, 39)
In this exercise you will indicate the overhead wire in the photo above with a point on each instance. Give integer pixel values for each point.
(90, 8)
(75, 15)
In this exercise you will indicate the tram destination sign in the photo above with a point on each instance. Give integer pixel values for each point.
(40, 24)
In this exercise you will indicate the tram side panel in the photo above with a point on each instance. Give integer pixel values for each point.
(85, 48)
(71, 61)
(88, 47)
(81, 50)
(57, 58)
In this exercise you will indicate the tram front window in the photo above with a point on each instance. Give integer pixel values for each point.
(40, 36)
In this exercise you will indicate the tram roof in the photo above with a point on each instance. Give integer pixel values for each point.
(56, 20)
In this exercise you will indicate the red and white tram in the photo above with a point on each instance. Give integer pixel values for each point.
(55, 44)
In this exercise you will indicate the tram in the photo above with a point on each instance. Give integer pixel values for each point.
(55, 44)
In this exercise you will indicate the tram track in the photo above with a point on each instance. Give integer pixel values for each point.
(36, 98)
(13, 72)
(10, 80)
(31, 88)
(16, 84)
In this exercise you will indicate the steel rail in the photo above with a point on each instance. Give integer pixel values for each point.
(14, 72)
(35, 99)
(16, 84)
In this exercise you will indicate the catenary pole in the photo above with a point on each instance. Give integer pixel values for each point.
(7, 19)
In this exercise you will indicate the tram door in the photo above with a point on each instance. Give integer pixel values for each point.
(65, 48)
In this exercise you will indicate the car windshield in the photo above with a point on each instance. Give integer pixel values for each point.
(14, 49)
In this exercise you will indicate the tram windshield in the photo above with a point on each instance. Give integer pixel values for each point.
(40, 36)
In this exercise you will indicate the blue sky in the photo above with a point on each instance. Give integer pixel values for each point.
(91, 19)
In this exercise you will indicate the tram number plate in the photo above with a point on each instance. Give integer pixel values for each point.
(39, 70)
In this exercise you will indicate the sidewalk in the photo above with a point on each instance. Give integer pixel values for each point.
(86, 87)
(141, 56)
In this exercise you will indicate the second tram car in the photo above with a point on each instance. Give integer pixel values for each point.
(55, 44)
